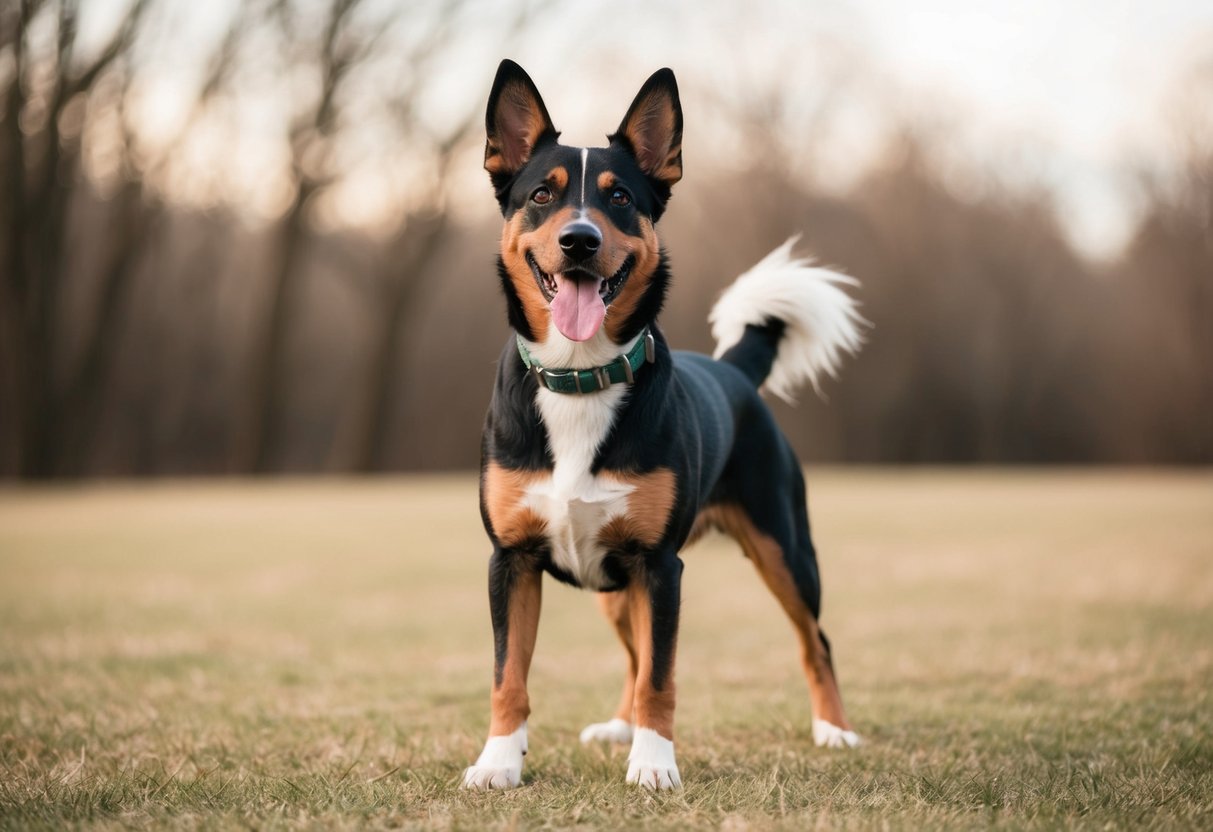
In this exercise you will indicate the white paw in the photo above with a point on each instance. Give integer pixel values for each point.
(651, 762)
(829, 735)
(499, 765)
(617, 730)
(488, 777)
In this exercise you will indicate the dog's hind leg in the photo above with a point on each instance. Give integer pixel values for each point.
(788, 568)
(618, 729)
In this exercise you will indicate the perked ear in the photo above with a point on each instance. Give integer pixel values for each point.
(652, 129)
(515, 122)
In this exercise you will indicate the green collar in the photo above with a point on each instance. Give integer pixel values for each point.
(622, 369)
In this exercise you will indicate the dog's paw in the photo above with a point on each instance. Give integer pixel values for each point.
(651, 763)
(616, 730)
(651, 777)
(829, 735)
(499, 765)
(490, 777)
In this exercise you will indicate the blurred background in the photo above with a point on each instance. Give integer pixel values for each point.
(255, 237)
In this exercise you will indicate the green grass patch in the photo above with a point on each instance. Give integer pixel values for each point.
(1020, 649)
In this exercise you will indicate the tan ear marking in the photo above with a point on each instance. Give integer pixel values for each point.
(652, 128)
(515, 121)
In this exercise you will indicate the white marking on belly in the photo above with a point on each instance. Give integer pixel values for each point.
(575, 503)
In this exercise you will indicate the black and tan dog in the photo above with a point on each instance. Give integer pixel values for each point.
(604, 452)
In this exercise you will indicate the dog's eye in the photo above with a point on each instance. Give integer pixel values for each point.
(620, 198)
(542, 196)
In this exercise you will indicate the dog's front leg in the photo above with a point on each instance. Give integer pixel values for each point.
(654, 596)
(515, 592)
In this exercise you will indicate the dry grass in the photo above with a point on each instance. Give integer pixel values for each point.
(1021, 649)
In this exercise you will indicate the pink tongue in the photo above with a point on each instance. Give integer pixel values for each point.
(577, 309)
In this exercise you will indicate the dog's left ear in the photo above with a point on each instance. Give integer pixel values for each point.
(652, 129)
(515, 122)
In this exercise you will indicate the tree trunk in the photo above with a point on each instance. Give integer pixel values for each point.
(258, 445)
(364, 441)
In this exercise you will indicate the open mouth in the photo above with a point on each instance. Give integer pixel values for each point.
(608, 288)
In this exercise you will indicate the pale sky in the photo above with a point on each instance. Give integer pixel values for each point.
(1070, 90)
(1091, 81)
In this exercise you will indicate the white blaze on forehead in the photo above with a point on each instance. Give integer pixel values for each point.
(585, 165)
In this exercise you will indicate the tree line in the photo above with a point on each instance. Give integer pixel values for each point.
(150, 327)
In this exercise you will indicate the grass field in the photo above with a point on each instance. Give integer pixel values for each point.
(1019, 649)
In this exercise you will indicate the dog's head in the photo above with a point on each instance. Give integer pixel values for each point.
(579, 252)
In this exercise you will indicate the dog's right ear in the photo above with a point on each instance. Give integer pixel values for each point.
(515, 122)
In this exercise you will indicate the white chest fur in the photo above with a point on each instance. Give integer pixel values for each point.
(574, 503)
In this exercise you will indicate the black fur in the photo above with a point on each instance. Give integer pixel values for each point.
(701, 419)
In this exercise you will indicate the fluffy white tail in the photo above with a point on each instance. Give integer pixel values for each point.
(821, 321)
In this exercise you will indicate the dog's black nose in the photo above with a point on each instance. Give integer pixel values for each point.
(580, 240)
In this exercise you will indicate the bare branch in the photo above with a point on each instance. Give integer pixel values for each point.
(118, 45)
(220, 68)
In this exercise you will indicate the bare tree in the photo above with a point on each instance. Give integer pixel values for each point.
(163, 311)
(347, 41)
(1167, 276)
(399, 289)
(312, 132)
(50, 86)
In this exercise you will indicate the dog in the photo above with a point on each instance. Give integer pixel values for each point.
(604, 452)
